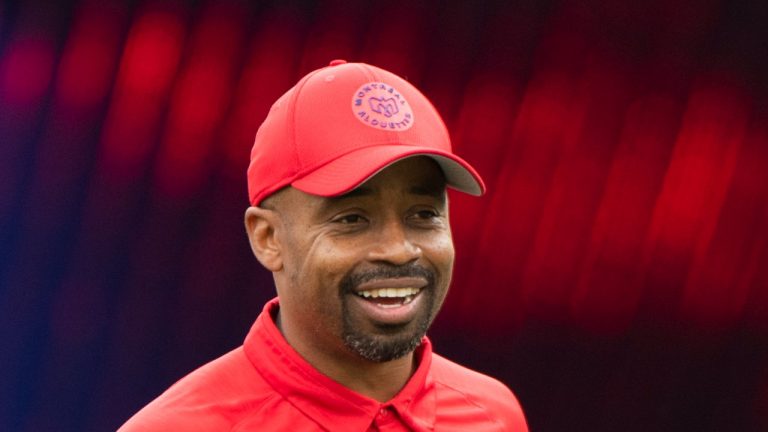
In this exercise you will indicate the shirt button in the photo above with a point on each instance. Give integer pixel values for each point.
(383, 412)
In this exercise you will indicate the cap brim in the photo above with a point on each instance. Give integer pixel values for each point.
(351, 170)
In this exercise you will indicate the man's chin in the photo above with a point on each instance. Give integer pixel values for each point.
(381, 348)
(381, 333)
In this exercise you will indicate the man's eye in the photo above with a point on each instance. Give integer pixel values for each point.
(426, 214)
(350, 219)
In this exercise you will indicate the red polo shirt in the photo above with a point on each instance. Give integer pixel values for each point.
(265, 385)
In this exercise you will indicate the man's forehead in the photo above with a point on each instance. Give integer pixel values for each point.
(435, 190)
(415, 176)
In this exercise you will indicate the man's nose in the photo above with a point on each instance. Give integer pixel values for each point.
(394, 245)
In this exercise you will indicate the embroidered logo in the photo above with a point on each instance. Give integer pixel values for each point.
(381, 106)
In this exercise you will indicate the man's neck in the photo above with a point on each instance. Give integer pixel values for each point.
(379, 381)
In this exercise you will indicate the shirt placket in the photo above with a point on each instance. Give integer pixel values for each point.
(387, 420)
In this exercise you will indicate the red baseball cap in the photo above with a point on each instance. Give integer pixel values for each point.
(342, 124)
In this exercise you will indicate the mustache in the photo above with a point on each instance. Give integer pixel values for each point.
(386, 271)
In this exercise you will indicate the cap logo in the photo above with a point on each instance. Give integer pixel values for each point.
(381, 106)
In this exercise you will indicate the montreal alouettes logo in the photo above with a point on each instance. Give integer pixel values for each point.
(381, 106)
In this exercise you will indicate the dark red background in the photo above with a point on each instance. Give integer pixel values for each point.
(616, 275)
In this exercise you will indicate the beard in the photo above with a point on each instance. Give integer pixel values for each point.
(388, 342)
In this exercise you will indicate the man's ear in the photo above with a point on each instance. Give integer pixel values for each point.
(260, 224)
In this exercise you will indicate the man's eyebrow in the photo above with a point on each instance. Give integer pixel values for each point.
(432, 190)
(354, 193)
(331, 202)
(436, 191)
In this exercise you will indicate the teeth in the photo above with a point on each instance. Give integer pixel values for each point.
(405, 301)
(389, 292)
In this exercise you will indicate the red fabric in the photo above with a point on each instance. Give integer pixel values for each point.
(266, 385)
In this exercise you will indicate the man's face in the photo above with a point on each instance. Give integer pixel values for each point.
(366, 271)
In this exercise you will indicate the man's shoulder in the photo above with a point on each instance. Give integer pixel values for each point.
(458, 385)
(467, 381)
(213, 397)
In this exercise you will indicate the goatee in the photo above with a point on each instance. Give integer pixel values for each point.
(390, 342)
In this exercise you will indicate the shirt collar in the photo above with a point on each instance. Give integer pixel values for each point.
(324, 400)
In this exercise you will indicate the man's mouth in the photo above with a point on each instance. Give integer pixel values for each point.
(390, 297)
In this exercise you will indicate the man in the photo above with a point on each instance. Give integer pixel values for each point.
(347, 183)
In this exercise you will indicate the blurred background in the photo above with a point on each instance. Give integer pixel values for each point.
(615, 276)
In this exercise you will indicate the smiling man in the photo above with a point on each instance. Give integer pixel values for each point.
(349, 212)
